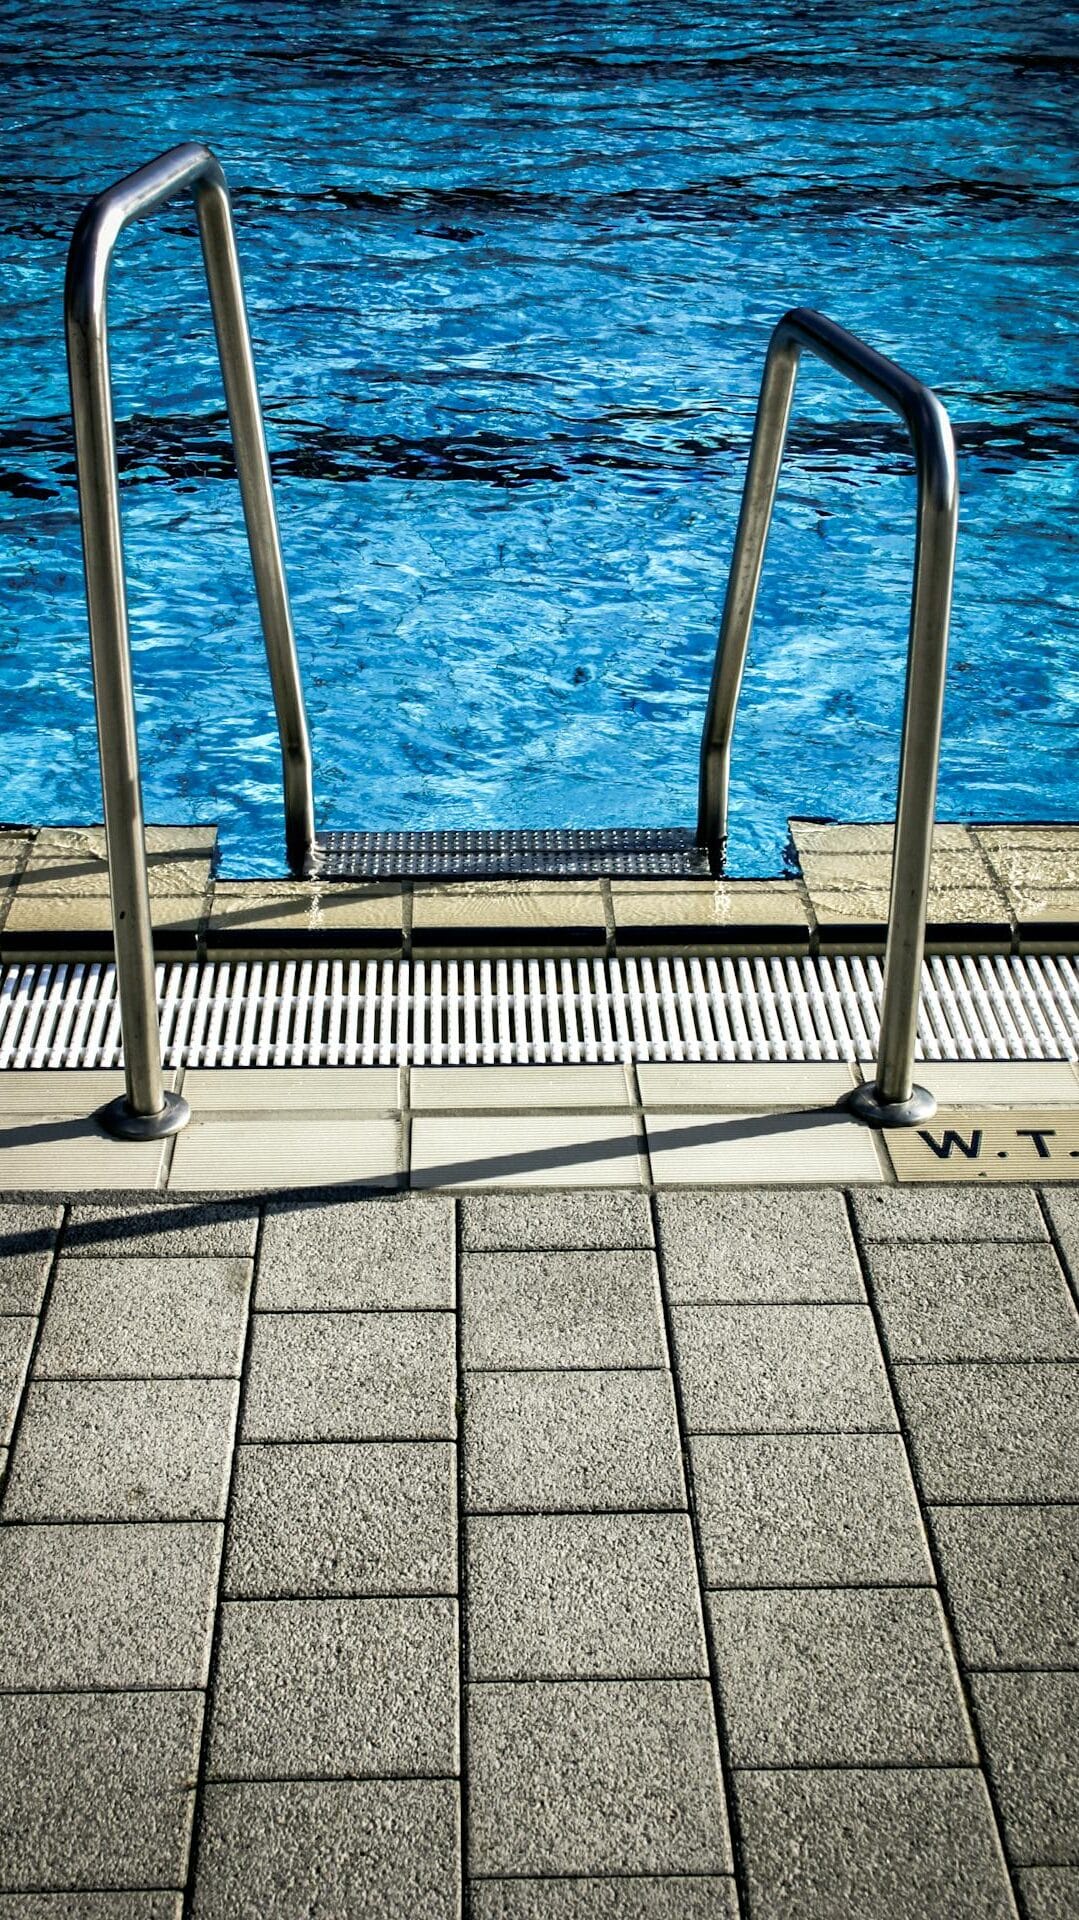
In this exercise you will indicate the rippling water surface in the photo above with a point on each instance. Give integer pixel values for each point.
(511, 272)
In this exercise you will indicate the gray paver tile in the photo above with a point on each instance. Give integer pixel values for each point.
(981, 1302)
(696, 1897)
(762, 1245)
(16, 1340)
(334, 1518)
(1050, 1893)
(561, 1310)
(571, 1441)
(858, 1845)
(583, 1596)
(808, 1509)
(595, 1777)
(775, 1369)
(97, 1787)
(335, 1689)
(1062, 1204)
(386, 1849)
(123, 1450)
(163, 1225)
(350, 1252)
(496, 1222)
(1011, 1579)
(838, 1678)
(948, 1214)
(91, 1906)
(1029, 1723)
(1007, 1432)
(27, 1239)
(107, 1606)
(351, 1376)
(145, 1318)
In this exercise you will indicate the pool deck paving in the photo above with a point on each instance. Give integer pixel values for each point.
(652, 1554)
(541, 1493)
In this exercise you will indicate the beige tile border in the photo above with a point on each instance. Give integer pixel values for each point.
(996, 888)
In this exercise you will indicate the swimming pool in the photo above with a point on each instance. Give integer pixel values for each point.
(511, 274)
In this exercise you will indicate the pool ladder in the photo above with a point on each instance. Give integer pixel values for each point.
(147, 1110)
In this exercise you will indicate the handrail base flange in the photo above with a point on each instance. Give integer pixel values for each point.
(120, 1119)
(865, 1104)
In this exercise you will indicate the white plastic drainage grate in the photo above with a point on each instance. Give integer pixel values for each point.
(305, 1013)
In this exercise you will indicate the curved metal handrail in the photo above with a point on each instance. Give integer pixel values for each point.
(147, 1109)
(893, 1099)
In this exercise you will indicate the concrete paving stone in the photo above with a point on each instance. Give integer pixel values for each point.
(1000, 1432)
(357, 1252)
(527, 1150)
(595, 1777)
(780, 1369)
(696, 1897)
(332, 1518)
(1062, 1205)
(583, 1596)
(386, 1849)
(948, 1214)
(41, 1153)
(981, 1302)
(571, 1442)
(263, 1151)
(351, 1376)
(515, 1089)
(295, 1089)
(124, 1450)
(858, 1845)
(822, 1148)
(838, 1678)
(755, 1085)
(1010, 1575)
(561, 1310)
(97, 1789)
(1029, 1723)
(16, 1341)
(107, 1606)
(808, 1509)
(151, 1319)
(27, 1241)
(335, 1689)
(763, 1245)
(504, 1222)
(163, 1224)
(91, 1906)
(1049, 1893)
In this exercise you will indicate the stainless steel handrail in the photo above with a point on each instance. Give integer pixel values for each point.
(892, 1099)
(147, 1110)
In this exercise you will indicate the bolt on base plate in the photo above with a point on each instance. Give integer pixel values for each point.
(120, 1119)
(865, 1103)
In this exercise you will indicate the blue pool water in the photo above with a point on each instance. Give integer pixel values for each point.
(511, 272)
